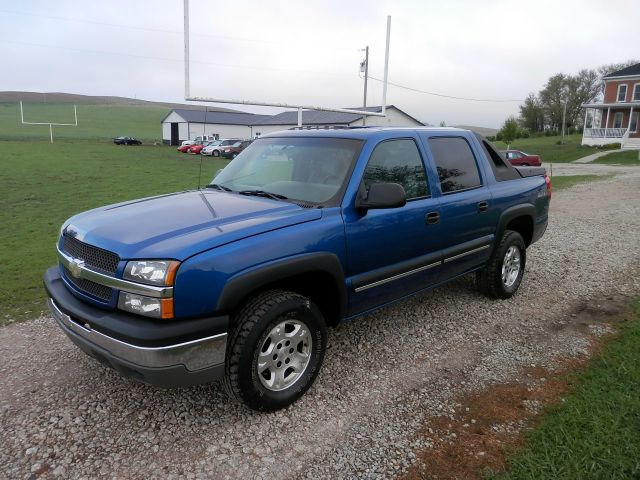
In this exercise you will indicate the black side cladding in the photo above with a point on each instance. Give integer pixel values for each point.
(502, 169)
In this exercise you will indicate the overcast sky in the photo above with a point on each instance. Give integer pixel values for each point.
(307, 52)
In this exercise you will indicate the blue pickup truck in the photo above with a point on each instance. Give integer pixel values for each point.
(305, 228)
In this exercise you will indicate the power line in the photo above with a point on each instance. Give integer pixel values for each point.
(164, 59)
(446, 96)
(175, 32)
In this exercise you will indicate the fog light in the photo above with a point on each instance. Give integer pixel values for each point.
(147, 306)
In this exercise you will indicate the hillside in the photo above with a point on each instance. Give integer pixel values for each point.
(95, 122)
(484, 131)
(61, 97)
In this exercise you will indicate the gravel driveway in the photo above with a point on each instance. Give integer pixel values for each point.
(62, 414)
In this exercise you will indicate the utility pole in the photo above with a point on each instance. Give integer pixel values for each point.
(564, 112)
(564, 116)
(366, 77)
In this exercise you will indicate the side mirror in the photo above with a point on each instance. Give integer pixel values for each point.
(383, 195)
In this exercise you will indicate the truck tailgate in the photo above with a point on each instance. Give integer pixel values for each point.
(531, 171)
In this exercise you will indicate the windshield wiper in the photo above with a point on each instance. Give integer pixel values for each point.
(217, 186)
(262, 193)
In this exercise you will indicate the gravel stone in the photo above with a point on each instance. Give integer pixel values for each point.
(65, 415)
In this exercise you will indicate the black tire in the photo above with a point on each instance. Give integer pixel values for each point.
(490, 279)
(216, 153)
(253, 323)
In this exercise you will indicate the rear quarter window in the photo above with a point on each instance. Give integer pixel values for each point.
(456, 164)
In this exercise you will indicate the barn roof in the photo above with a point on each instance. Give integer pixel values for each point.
(318, 117)
(625, 72)
(227, 118)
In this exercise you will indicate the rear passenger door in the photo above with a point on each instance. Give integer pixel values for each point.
(466, 204)
(392, 252)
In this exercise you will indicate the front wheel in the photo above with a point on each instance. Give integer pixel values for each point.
(276, 349)
(503, 274)
(216, 153)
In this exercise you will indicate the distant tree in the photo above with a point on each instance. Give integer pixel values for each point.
(509, 130)
(442, 124)
(552, 98)
(532, 114)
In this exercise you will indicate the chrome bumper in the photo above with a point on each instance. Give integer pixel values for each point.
(194, 355)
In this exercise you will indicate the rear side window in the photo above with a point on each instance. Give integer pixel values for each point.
(457, 169)
(398, 161)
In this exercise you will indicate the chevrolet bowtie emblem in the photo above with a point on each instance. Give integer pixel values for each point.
(76, 266)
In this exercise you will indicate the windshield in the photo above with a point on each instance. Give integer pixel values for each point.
(310, 170)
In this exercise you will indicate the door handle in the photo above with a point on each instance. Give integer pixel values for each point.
(432, 217)
(483, 207)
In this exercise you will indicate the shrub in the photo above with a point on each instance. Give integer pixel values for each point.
(610, 146)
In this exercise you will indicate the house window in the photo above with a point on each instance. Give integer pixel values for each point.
(622, 92)
(636, 92)
(617, 120)
(633, 127)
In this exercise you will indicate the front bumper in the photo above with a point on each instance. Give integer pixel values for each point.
(165, 353)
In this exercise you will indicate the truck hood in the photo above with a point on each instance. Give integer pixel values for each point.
(180, 225)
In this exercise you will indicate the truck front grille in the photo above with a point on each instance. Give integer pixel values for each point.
(93, 257)
(92, 288)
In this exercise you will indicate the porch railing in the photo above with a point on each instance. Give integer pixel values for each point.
(604, 132)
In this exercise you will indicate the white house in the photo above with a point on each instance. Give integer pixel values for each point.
(182, 124)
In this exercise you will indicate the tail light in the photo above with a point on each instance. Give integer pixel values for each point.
(547, 180)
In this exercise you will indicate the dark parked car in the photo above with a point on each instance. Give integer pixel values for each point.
(126, 141)
(234, 150)
(521, 159)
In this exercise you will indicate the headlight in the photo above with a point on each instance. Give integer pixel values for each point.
(151, 272)
(147, 306)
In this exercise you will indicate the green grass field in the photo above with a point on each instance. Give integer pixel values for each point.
(630, 157)
(595, 432)
(44, 184)
(548, 149)
(95, 122)
(560, 182)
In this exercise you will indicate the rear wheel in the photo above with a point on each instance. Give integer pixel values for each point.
(503, 274)
(275, 351)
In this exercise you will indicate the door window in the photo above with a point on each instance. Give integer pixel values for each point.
(634, 122)
(398, 161)
(456, 164)
(617, 120)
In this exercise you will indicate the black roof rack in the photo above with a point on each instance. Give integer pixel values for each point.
(329, 127)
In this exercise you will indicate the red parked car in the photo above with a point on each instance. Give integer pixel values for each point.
(521, 159)
(197, 148)
(234, 150)
(183, 148)
(187, 148)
